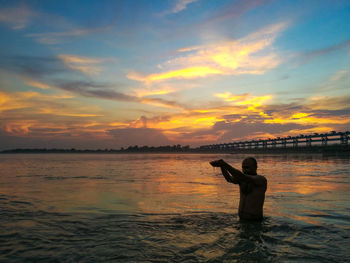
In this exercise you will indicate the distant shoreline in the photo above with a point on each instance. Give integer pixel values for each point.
(327, 150)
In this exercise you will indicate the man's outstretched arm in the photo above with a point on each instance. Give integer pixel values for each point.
(228, 177)
(237, 174)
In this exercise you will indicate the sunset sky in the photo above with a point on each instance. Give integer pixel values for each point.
(110, 74)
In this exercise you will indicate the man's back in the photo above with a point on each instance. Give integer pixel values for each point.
(252, 197)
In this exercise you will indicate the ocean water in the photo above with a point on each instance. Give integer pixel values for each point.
(170, 208)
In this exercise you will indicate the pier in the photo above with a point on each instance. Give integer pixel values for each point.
(301, 141)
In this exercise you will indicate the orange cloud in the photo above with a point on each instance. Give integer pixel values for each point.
(246, 99)
(10, 102)
(118, 124)
(309, 120)
(24, 111)
(19, 128)
(37, 84)
(89, 66)
(148, 92)
(314, 106)
(248, 55)
(228, 96)
(185, 73)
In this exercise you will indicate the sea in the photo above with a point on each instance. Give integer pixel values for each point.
(170, 208)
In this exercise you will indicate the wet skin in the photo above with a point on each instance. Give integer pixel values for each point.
(252, 187)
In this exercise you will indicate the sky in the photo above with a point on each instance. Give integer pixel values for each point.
(110, 74)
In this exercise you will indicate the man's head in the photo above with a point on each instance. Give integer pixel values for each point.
(249, 166)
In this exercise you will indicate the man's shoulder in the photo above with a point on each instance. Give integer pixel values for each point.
(262, 179)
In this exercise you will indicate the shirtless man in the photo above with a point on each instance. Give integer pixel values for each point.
(252, 187)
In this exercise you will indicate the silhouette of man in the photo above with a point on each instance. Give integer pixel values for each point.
(252, 187)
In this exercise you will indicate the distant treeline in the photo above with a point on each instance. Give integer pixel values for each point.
(331, 149)
(130, 149)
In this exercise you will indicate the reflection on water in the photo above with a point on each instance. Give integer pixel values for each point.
(170, 207)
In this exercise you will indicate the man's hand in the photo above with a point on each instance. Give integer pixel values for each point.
(217, 163)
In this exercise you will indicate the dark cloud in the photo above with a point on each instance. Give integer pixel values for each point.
(18, 17)
(342, 127)
(144, 121)
(32, 66)
(51, 38)
(21, 15)
(307, 56)
(97, 90)
(235, 10)
(330, 113)
(340, 102)
(160, 101)
(244, 128)
(47, 69)
(139, 136)
(225, 131)
(286, 108)
(108, 91)
(250, 117)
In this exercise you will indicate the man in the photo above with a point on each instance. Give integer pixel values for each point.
(252, 187)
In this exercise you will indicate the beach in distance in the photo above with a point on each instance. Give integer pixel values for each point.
(170, 208)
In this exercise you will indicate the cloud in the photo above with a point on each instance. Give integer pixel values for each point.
(338, 81)
(97, 90)
(32, 114)
(37, 103)
(317, 111)
(252, 54)
(89, 66)
(228, 96)
(36, 84)
(340, 75)
(163, 103)
(238, 120)
(63, 30)
(234, 10)
(181, 5)
(60, 28)
(32, 66)
(39, 72)
(329, 103)
(18, 17)
(151, 92)
(51, 38)
(244, 99)
(246, 128)
(224, 131)
(106, 91)
(9, 102)
(216, 20)
(307, 56)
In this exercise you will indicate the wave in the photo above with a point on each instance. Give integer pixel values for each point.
(30, 234)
